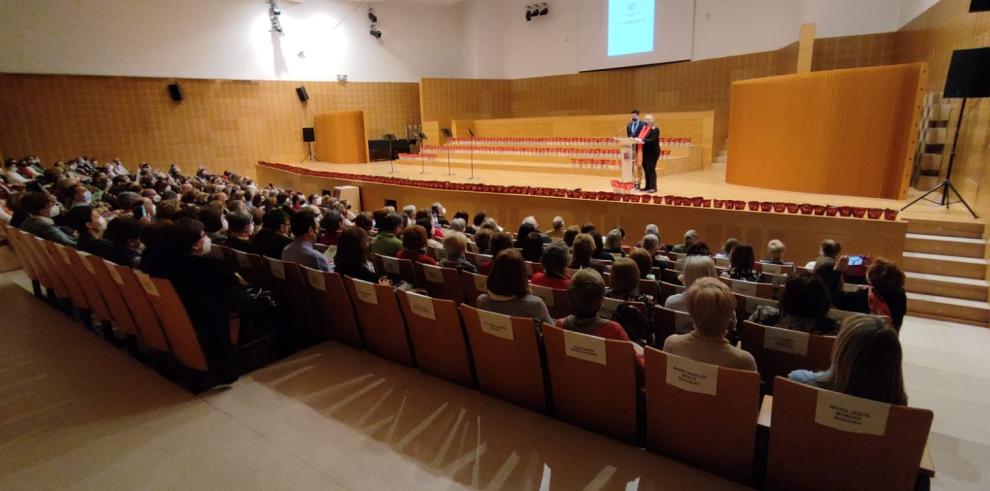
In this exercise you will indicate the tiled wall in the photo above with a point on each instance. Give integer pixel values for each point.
(221, 124)
(931, 38)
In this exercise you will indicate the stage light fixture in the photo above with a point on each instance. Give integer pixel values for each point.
(544, 8)
(529, 13)
(375, 33)
(371, 15)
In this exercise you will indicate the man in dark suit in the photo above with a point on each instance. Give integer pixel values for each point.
(634, 126)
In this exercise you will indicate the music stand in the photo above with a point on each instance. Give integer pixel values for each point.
(966, 79)
(422, 161)
(389, 137)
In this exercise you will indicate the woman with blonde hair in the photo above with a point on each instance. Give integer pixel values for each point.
(712, 307)
(695, 267)
(454, 245)
(866, 362)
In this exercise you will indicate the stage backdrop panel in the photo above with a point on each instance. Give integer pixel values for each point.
(849, 132)
(341, 137)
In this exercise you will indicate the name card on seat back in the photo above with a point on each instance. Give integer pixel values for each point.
(433, 274)
(480, 283)
(771, 268)
(585, 347)
(114, 274)
(146, 283)
(497, 325)
(242, 259)
(744, 287)
(608, 307)
(851, 414)
(421, 305)
(546, 294)
(683, 322)
(785, 340)
(391, 265)
(692, 376)
(365, 291)
(86, 264)
(316, 279)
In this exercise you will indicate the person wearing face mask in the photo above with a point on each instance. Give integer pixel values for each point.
(210, 293)
(41, 208)
(89, 226)
(240, 227)
(215, 224)
(274, 234)
(124, 232)
(80, 196)
(301, 249)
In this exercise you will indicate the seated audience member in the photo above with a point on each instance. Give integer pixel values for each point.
(438, 215)
(273, 236)
(301, 249)
(644, 262)
(89, 226)
(554, 275)
(570, 234)
(584, 247)
(508, 289)
(408, 215)
(353, 252)
(483, 239)
(587, 294)
(775, 252)
(331, 226)
(689, 238)
(803, 306)
(455, 246)
(240, 227)
(523, 233)
(214, 223)
(588, 228)
(125, 234)
(457, 225)
(741, 264)
(17, 214)
(884, 296)
(532, 247)
(711, 306)
(557, 232)
(652, 245)
(500, 242)
(727, 248)
(866, 362)
(695, 268)
(613, 243)
(387, 242)
(414, 246)
(40, 209)
(599, 253)
(364, 220)
(210, 293)
(699, 248)
(476, 222)
(829, 249)
(432, 233)
(625, 283)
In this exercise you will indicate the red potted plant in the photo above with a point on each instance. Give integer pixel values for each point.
(858, 211)
(792, 207)
(779, 206)
(819, 210)
(766, 206)
(831, 210)
(719, 203)
(890, 214)
(874, 213)
(845, 211)
(806, 208)
(754, 206)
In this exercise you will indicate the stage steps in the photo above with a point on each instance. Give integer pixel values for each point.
(946, 270)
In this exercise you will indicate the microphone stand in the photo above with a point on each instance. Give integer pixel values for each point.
(422, 159)
(472, 154)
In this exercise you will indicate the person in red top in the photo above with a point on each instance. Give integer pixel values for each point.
(587, 294)
(413, 243)
(330, 228)
(554, 275)
(500, 242)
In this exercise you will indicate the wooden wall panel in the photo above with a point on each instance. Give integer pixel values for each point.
(341, 137)
(854, 51)
(931, 38)
(802, 234)
(845, 132)
(221, 124)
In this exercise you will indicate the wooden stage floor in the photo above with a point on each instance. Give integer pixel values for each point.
(709, 183)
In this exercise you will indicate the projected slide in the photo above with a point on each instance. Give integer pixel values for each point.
(630, 26)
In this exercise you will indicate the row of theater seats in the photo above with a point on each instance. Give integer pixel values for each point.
(590, 382)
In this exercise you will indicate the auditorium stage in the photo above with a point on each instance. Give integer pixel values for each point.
(801, 233)
(709, 183)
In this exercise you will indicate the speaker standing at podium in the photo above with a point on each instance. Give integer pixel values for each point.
(651, 152)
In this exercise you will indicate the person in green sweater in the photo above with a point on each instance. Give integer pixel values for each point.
(388, 243)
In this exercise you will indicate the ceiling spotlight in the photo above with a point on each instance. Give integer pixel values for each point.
(529, 13)
(375, 33)
(544, 8)
(371, 15)
(273, 13)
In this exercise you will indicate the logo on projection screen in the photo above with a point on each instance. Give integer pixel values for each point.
(630, 26)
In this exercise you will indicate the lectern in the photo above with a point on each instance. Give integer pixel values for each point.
(628, 147)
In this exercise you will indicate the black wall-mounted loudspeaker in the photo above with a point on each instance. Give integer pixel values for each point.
(309, 135)
(979, 6)
(301, 92)
(175, 92)
(969, 74)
